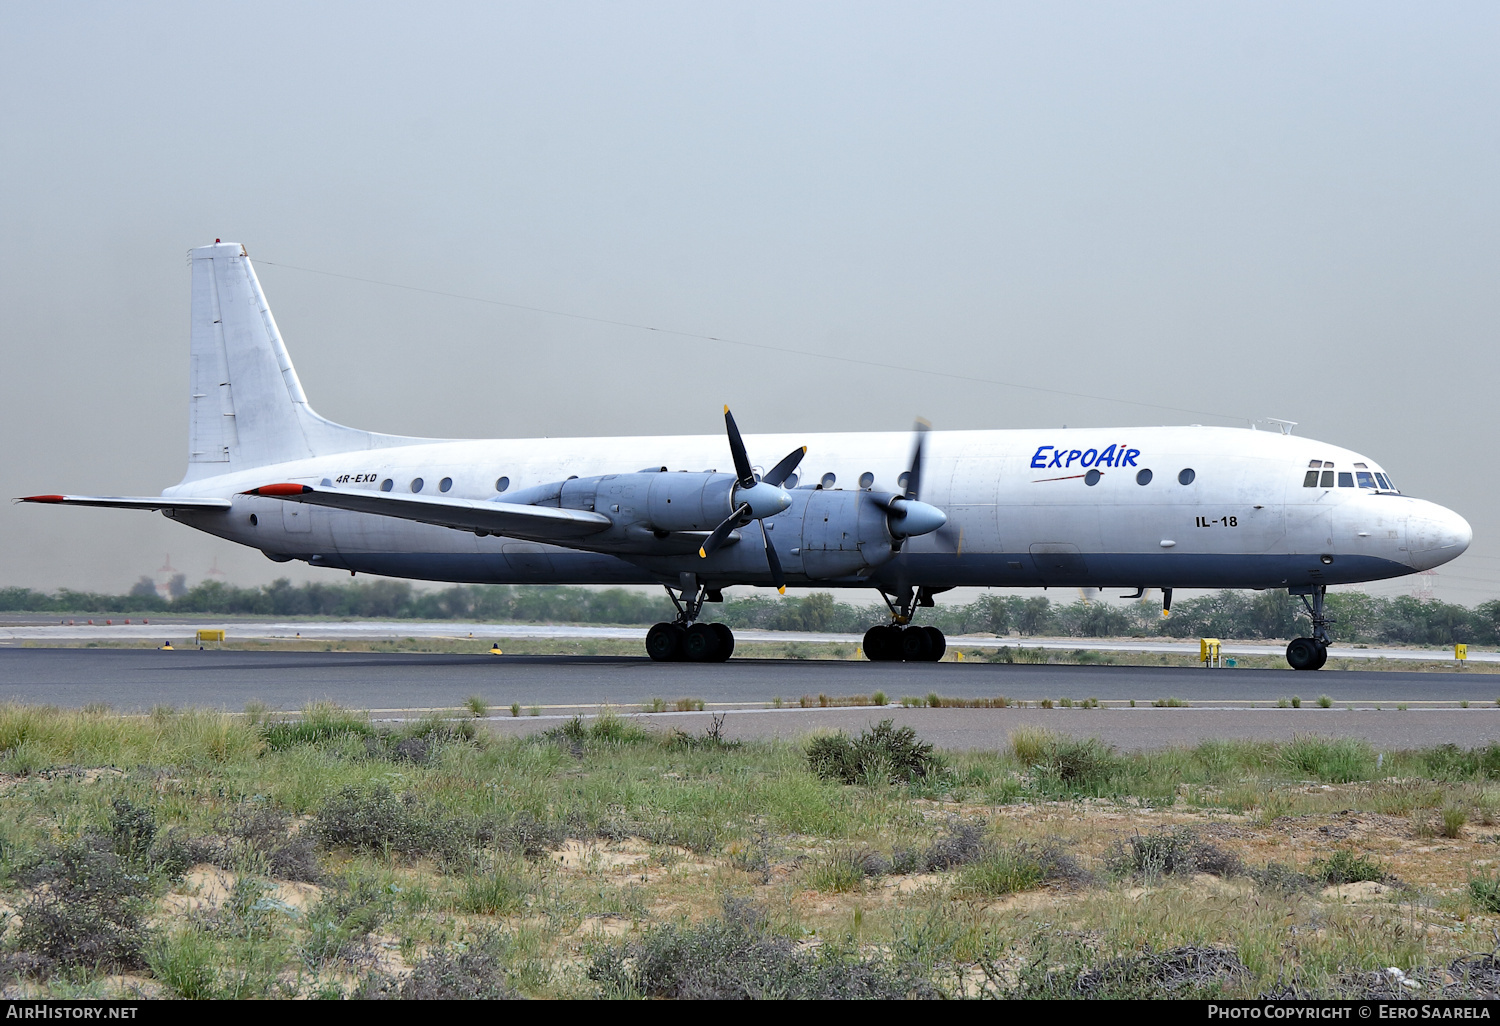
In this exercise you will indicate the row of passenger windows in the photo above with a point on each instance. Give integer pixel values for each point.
(1322, 475)
(446, 484)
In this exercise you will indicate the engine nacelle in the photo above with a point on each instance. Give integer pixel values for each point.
(844, 533)
(663, 501)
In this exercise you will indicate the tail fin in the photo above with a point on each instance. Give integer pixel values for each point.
(247, 407)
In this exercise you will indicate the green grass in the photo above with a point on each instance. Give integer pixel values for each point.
(520, 864)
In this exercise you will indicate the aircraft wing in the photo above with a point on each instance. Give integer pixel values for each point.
(131, 502)
(540, 523)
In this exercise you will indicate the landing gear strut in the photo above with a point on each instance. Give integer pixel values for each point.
(901, 640)
(685, 638)
(1311, 653)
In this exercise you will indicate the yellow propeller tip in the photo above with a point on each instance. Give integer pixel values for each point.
(702, 554)
(726, 409)
(782, 590)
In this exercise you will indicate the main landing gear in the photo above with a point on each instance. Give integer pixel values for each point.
(686, 639)
(1311, 653)
(901, 640)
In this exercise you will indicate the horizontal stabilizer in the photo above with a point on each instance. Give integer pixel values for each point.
(130, 502)
(537, 523)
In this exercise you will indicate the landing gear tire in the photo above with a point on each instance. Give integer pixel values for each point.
(916, 646)
(664, 642)
(1306, 654)
(726, 640)
(938, 642)
(700, 643)
(890, 643)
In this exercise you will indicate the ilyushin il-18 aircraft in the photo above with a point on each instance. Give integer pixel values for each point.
(908, 515)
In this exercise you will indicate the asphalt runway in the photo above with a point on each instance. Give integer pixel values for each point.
(137, 679)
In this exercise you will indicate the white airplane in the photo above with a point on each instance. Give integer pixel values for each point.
(1166, 507)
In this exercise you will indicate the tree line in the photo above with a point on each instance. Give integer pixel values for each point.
(1227, 614)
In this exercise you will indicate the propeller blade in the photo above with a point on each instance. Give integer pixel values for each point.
(783, 470)
(722, 531)
(773, 561)
(737, 450)
(914, 475)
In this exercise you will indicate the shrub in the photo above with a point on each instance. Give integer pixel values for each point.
(963, 843)
(736, 956)
(1334, 760)
(1179, 851)
(1344, 866)
(883, 752)
(473, 973)
(1454, 819)
(84, 910)
(375, 821)
(1484, 892)
(844, 870)
(477, 706)
(1018, 867)
(1170, 703)
(1063, 763)
(1324, 702)
(500, 891)
(318, 725)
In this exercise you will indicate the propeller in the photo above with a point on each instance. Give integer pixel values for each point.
(906, 514)
(754, 500)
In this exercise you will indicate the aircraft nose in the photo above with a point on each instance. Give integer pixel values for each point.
(1436, 535)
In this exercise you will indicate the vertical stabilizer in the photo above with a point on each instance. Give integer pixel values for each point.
(247, 408)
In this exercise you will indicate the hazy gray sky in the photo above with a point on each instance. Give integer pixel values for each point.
(1250, 209)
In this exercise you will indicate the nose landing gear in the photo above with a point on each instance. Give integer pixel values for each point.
(1311, 653)
(901, 640)
(685, 638)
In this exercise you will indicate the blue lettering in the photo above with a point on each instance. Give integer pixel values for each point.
(1106, 458)
(1057, 455)
(1128, 460)
(1039, 461)
(1073, 456)
(1089, 458)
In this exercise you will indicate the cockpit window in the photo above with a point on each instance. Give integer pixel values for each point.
(1366, 479)
(1385, 482)
(1311, 480)
(1327, 481)
(1346, 479)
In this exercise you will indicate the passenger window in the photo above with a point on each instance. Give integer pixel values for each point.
(828, 480)
(502, 483)
(866, 480)
(445, 484)
(1346, 479)
(1327, 481)
(416, 484)
(1143, 478)
(1311, 480)
(1092, 478)
(1366, 479)
(387, 485)
(1186, 477)
(790, 482)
